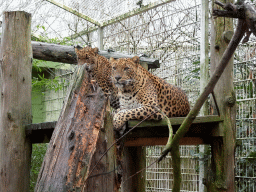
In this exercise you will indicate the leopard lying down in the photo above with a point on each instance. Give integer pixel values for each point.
(141, 93)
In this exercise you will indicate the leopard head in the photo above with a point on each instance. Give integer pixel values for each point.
(124, 72)
(87, 55)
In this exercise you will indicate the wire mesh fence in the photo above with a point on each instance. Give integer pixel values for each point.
(244, 82)
(159, 177)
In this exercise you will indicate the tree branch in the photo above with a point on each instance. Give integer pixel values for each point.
(242, 11)
(240, 31)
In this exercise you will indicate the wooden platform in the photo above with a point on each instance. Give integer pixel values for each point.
(148, 133)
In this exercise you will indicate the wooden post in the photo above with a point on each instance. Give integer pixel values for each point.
(204, 78)
(15, 110)
(134, 159)
(83, 133)
(222, 177)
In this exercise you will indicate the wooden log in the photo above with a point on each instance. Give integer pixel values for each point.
(66, 54)
(15, 109)
(82, 134)
(222, 176)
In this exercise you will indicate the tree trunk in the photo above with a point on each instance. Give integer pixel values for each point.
(80, 137)
(223, 149)
(15, 110)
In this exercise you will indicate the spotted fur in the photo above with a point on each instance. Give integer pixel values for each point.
(141, 93)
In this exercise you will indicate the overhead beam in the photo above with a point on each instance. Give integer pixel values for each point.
(134, 12)
(66, 54)
(129, 14)
(66, 8)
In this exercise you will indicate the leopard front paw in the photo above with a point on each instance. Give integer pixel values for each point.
(118, 120)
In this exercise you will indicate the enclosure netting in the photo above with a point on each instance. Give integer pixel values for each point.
(170, 32)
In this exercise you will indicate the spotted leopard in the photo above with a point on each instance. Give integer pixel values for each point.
(142, 94)
(100, 68)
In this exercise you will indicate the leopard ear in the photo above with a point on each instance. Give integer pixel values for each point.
(111, 60)
(95, 50)
(136, 59)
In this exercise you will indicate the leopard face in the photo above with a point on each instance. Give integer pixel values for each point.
(88, 56)
(100, 69)
(124, 73)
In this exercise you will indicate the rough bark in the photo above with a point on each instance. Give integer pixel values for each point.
(15, 109)
(80, 137)
(239, 10)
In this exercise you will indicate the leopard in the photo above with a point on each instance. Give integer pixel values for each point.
(144, 95)
(100, 69)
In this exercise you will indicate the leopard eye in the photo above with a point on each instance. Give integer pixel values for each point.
(114, 68)
(126, 68)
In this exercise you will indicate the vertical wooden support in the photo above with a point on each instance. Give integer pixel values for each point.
(134, 159)
(222, 177)
(204, 78)
(15, 110)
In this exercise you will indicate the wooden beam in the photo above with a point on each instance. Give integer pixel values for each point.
(119, 18)
(204, 127)
(40, 132)
(66, 54)
(132, 142)
(136, 11)
(177, 121)
(15, 109)
(69, 9)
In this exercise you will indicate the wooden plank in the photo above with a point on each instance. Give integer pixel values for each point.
(40, 132)
(132, 142)
(15, 109)
(205, 127)
(176, 121)
(66, 54)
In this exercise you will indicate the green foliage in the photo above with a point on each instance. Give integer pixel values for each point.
(55, 40)
(43, 79)
(37, 157)
(40, 83)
